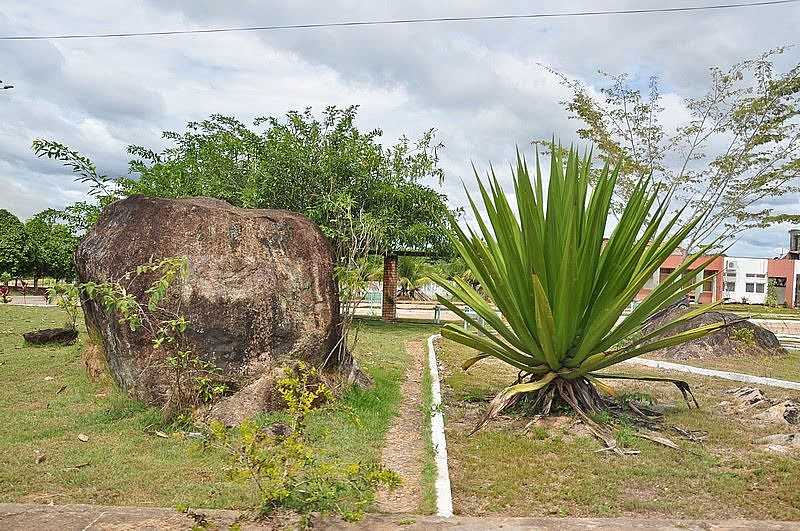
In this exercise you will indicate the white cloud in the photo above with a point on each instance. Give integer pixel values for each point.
(478, 83)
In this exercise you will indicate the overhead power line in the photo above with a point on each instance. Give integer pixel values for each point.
(394, 22)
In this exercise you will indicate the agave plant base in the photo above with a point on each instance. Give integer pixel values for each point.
(582, 397)
(578, 395)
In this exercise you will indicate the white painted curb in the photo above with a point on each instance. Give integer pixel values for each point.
(444, 496)
(739, 377)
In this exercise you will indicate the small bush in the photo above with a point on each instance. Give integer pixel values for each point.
(743, 335)
(286, 470)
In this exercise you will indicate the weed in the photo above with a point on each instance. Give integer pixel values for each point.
(743, 335)
(286, 471)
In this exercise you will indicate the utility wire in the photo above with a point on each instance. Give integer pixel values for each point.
(394, 22)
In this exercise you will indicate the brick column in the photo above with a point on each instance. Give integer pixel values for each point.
(389, 306)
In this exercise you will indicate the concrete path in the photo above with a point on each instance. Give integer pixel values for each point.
(15, 516)
(18, 516)
(736, 376)
(423, 523)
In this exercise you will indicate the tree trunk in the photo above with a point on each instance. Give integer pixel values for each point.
(389, 306)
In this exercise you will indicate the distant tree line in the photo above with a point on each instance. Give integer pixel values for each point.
(40, 247)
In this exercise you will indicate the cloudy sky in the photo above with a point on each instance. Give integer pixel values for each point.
(480, 84)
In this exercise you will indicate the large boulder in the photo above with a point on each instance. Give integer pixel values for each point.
(260, 293)
(741, 339)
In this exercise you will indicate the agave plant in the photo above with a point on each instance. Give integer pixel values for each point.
(560, 288)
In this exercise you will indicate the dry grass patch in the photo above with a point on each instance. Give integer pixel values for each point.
(515, 467)
(781, 367)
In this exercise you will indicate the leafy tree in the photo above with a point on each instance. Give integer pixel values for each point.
(739, 145)
(12, 243)
(49, 247)
(366, 198)
(309, 165)
(413, 273)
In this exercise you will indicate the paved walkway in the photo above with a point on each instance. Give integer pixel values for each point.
(14, 516)
(19, 516)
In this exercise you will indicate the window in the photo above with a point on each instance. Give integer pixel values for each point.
(664, 273)
(759, 288)
(780, 282)
(730, 286)
(708, 281)
(750, 287)
(756, 275)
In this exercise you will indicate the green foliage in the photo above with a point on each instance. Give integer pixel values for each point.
(12, 243)
(301, 390)
(195, 381)
(739, 144)
(743, 335)
(771, 299)
(67, 297)
(286, 470)
(559, 286)
(5, 277)
(49, 247)
(83, 168)
(412, 274)
(304, 164)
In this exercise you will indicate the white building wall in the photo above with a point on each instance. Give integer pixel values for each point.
(745, 279)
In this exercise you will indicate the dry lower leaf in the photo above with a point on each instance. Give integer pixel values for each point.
(162, 434)
(48, 378)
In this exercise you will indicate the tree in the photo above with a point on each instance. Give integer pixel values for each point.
(49, 247)
(413, 273)
(739, 145)
(299, 163)
(366, 198)
(12, 243)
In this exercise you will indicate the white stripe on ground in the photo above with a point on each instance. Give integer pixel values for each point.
(739, 377)
(444, 496)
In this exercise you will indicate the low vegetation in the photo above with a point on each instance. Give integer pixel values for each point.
(68, 440)
(553, 467)
(786, 367)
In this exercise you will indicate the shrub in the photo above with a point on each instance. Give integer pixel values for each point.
(286, 470)
(560, 287)
(743, 335)
(66, 297)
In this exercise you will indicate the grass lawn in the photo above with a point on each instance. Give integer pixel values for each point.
(761, 310)
(781, 367)
(123, 462)
(513, 467)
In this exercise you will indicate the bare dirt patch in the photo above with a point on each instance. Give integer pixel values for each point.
(404, 448)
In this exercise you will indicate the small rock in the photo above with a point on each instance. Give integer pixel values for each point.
(51, 335)
(39, 457)
(786, 412)
(748, 397)
(782, 439)
(48, 378)
(778, 449)
(83, 437)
